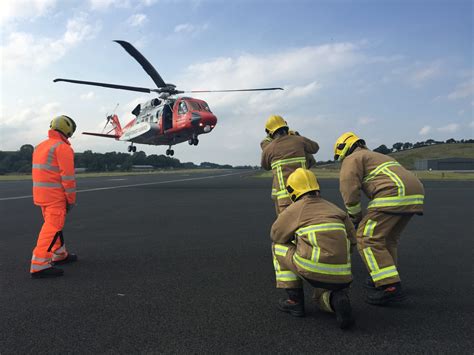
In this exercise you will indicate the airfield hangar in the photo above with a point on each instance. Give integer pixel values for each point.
(445, 164)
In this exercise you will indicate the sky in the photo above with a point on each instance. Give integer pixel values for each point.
(389, 70)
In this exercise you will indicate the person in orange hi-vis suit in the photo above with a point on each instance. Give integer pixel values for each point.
(54, 190)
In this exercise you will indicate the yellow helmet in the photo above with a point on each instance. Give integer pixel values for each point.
(343, 144)
(63, 124)
(300, 182)
(273, 123)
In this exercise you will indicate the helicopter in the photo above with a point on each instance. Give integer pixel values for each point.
(168, 119)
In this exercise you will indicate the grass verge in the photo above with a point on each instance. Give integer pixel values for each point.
(423, 175)
(119, 173)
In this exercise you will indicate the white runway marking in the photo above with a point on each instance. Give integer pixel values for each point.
(116, 179)
(131, 185)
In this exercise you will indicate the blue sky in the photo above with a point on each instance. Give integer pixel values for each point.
(389, 70)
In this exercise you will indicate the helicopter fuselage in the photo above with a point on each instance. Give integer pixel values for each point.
(169, 122)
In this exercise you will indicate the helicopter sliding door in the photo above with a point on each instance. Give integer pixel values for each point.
(167, 117)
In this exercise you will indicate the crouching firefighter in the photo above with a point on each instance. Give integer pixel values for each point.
(54, 190)
(395, 195)
(283, 154)
(312, 241)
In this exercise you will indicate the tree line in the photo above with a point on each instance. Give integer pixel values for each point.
(399, 146)
(20, 161)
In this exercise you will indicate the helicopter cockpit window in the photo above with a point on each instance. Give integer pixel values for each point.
(205, 106)
(183, 108)
(194, 106)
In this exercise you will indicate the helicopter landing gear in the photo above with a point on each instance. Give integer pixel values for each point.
(132, 148)
(193, 141)
(169, 151)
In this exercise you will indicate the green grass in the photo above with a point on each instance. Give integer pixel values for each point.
(323, 173)
(455, 150)
(118, 173)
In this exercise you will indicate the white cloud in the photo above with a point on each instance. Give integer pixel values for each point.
(422, 75)
(137, 20)
(450, 128)
(32, 121)
(366, 120)
(299, 65)
(13, 10)
(88, 96)
(189, 29)
(26, 50)
(471, 124)
(102, 5)
(463, 90)
(425, 130)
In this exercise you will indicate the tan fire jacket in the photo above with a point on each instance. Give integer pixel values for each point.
(323, 235)
(310, 161)
(283, 155)
(388, 185)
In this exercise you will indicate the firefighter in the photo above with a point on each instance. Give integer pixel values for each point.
(395, 195)
(283, 154)
(312, 241)
(54, 190)
(310, 161)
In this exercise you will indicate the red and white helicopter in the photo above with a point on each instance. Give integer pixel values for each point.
(166, 120)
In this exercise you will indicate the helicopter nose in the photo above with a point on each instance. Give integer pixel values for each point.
(195, 118)
(208, 121)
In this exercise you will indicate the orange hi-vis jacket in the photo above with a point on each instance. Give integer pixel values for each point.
(53, 171)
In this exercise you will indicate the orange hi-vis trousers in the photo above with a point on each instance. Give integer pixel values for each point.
(50, 245)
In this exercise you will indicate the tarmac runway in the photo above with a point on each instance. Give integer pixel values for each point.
(181, 263)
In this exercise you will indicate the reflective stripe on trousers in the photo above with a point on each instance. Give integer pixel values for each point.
(282, 275)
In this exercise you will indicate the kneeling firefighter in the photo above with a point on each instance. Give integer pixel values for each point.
(312, 241)
(283, 153)
(395, 195)
(54, 190)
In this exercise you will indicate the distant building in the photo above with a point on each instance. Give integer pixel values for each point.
(445, 164)
(142, 168)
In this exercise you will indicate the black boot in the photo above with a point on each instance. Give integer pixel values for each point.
(50, 272)
(341, 305)
(386, 294)
(294, 304)
(69, 259)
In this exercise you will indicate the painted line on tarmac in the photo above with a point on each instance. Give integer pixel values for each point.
(132, 185)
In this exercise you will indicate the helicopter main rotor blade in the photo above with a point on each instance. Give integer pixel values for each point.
(146, 65)
(105, 85)
(234, 90)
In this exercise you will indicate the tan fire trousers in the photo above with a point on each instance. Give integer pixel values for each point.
(287, 276)
(377, 241)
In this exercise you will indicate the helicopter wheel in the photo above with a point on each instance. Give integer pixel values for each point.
(171, 152)
(196, 141)
(129, 148)
(134, 149)
(191, 141)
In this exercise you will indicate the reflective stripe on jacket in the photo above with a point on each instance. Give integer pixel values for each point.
(53, 171)
(387, 184)
(323, 235)
(283, 155)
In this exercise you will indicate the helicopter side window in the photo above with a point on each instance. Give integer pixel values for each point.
(183, 108)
